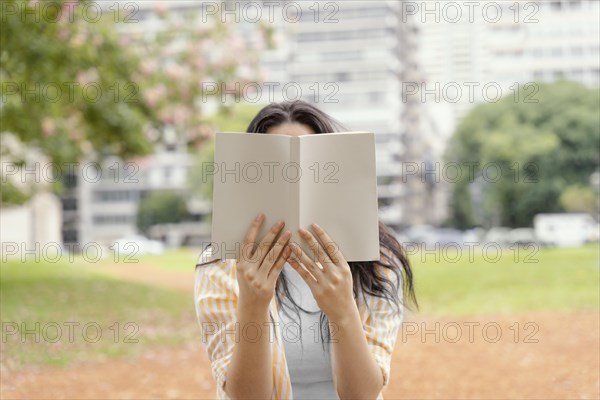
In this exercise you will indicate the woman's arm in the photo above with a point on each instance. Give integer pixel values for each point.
(215, 299)
(379, 326)
(358, 376)
(362, 342)
(241, 364)
(250, 373)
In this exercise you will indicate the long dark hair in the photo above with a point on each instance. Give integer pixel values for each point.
(367, 277)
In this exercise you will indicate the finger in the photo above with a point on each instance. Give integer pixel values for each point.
(300, 255)
(316, 247)
(267, 241)
(307, 276)
(273, 255)
(250, 237)
(278, 267)
(331, 248)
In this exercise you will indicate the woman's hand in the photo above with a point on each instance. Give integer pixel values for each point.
(259, 266)
(356, 372)
(250, 375)
(332, 285)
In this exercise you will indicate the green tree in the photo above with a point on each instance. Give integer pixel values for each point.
(579, 198)
(528, 152)
(184, 70)
(235, 119)
(160, 208)
(72, 87)
(67, 84)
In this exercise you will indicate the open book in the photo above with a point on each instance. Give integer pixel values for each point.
(328, 179)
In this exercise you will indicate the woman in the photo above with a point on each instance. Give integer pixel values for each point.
(281, 325)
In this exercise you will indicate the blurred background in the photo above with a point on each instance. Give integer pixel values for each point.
(487, 123)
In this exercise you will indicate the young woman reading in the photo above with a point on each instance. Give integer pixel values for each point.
(281, 325)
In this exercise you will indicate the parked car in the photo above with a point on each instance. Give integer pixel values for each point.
(565, 230)
(523, 237)
(138, 245)
(499, 235)
(426, 235)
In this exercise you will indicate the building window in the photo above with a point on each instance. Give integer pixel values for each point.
(69, 204)
(114, 196)
(342, 77)
(576, 51)
(113, 219)
(376, 97)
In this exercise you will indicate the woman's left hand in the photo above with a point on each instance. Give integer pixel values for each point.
(332, 285)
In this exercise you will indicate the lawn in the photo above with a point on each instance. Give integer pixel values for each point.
(181, 259)
(56, 295)
(115, 318)
(514, 282)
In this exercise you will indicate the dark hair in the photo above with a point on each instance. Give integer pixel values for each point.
(367, 277)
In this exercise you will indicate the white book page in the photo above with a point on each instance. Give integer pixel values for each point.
(338, 191)
(248, 179)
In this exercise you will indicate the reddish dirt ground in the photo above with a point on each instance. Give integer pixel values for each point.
(549, 355)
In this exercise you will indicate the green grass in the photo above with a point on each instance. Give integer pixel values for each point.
(516, 281)
(58, 294)
(183, 259)
(178, 260)
(550, 279)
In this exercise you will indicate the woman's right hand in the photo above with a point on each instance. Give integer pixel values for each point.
(260, 264)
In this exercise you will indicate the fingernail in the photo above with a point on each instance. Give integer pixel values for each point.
(279, 224)
(258, 217)
(286, 235)
(316, 227)
(302, 232)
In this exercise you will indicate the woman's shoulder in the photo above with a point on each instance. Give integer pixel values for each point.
(208, 258)
(208, 266)
(214, 275)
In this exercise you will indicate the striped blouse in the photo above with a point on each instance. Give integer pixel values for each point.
(215, 296)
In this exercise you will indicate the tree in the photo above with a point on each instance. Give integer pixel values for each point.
(527, 153)
(198, 61)
(160, 208)
(67, 85)
(235, 119)
(72, 87)
(579, 198)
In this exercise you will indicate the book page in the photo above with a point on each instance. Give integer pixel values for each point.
(338, 191)
(249, 177)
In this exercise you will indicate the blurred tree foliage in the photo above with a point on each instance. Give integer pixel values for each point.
(160, 208)
(579, 198)
(527, 155)
(67, 86)
(76, 86)
(235, 119)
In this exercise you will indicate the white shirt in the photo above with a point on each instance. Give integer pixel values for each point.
(309, 361)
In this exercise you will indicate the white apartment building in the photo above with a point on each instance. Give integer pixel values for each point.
(349, 58)
(101, 205)
(539, 41)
